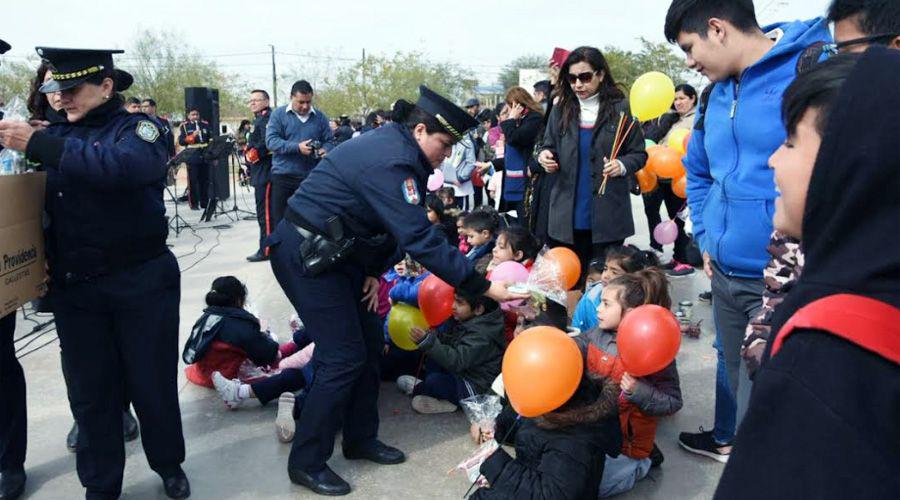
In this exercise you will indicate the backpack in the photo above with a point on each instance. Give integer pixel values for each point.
(868, 323)
(808, 58)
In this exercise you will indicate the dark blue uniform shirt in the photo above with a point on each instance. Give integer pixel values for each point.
(105, 177)
(376, 184)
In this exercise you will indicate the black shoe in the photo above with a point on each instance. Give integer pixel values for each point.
(257, 257)
(195, 207)
(177, 485)
(377, 452)
(702, 443)
(130, 428)
(12, 484)
(656, 456)
(705, 297)
(72, 438)
(324, 482)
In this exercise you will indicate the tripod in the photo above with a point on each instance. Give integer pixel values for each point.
(222, 148)
(178, 221)
(236, 165)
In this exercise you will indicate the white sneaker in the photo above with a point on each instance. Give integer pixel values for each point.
(284, 418)
(229, 390)
(406, 384)
(428, 405)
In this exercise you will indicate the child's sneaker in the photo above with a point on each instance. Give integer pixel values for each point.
(428, 405)
(705, 297)
(229, 390)
(284, 418)
(702, 443)
(680, 269)
(406, 384)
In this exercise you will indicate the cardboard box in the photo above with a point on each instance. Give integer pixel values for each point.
(22, 270)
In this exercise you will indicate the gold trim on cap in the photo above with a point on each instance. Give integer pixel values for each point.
(449, 127)
(77, 74)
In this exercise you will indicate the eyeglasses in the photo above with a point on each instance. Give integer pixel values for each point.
(835, 48)
(585, 77)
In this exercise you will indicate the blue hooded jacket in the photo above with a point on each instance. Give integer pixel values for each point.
(731, 189)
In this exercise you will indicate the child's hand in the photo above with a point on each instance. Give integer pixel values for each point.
(479, 435)
(629, 383)
(417, 335)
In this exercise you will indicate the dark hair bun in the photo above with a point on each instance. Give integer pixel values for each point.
(402, 110)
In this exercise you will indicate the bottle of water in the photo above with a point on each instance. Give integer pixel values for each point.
(11, 162)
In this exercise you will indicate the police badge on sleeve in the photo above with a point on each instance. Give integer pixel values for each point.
(147, 131)
(411, 191)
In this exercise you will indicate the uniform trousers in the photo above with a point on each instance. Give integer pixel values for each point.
(283, 187)
(13, 428)
(198, 184)
(114, 330)
(349, 342)
(263, 194)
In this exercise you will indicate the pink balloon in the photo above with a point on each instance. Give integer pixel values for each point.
(665, 232)
(510, 271)
(435, 180)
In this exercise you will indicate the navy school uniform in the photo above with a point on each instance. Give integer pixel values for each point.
(375, 183)
(115, 287)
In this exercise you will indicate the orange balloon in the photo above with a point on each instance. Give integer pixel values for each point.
(648, 339)
(687, 140)
(666, 162)
(542, 369)
(647, 180)
(435, 300)
(569, 265)
(679, 187)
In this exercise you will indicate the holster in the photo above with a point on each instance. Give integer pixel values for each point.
(320, 253)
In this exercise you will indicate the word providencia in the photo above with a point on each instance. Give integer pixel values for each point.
(24, 257)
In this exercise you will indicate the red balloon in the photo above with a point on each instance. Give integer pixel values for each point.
(435, 300)
(542, 368)
(648, 339)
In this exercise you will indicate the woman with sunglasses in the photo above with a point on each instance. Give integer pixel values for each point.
(577, 149)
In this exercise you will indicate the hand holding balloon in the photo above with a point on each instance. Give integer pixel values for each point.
(417, 335)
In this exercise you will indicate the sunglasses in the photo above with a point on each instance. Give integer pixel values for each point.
(836, 48)
(585, 77)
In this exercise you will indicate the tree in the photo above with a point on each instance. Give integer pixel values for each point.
(627, 66)
(378, 81)
(163, 67)
(509, 75)
(15, 79)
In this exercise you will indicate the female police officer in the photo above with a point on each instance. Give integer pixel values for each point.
(114, 286)
(352, 218)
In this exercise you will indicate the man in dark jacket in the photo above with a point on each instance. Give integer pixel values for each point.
(823, 420)
(260, 159)
(464, 360)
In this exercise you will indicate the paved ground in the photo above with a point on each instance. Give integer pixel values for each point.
(235, 455)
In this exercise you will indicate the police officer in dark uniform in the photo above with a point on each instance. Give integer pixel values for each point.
(355, 215)
(195, 134)
(260, 160)
(148, 107)
(114, 285)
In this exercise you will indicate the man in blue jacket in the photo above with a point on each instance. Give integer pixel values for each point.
(731, 190)
(291, 131)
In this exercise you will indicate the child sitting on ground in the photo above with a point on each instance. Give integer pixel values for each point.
(560, 454)
(618, 261)
(461, 361)
(481, 229)
(441, 217)
(462, 236)
(643, 399)
(515, 243)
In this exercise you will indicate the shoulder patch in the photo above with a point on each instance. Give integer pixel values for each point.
(411, 191)
(147, 131)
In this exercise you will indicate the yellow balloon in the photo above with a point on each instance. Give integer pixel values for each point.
(651, 95)
(402, 319)
(676, 139)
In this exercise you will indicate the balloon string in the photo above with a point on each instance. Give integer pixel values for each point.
(511, 427)
(421, 364)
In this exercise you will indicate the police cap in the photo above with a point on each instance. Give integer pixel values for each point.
(4, 47)
(456, 121)
(72, 67)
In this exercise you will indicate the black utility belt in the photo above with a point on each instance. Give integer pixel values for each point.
(320, 252)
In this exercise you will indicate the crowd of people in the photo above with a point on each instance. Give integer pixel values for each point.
(791, 193)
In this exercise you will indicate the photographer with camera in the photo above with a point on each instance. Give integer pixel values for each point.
(298, 135)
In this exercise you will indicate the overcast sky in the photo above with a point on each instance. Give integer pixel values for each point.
(479, 35)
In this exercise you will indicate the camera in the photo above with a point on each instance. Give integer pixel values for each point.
(315, 146)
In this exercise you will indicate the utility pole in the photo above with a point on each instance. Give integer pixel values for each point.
(274, 79)
(364, 92)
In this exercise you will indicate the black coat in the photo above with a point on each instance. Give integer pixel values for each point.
(233, 326)
(611, 217)
(562, 460)
(824, 416)
(261, 171)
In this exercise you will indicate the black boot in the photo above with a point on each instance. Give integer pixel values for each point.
(12, 484)
(324, 482)
(130, 428)
(177, 485)
(72, 438)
